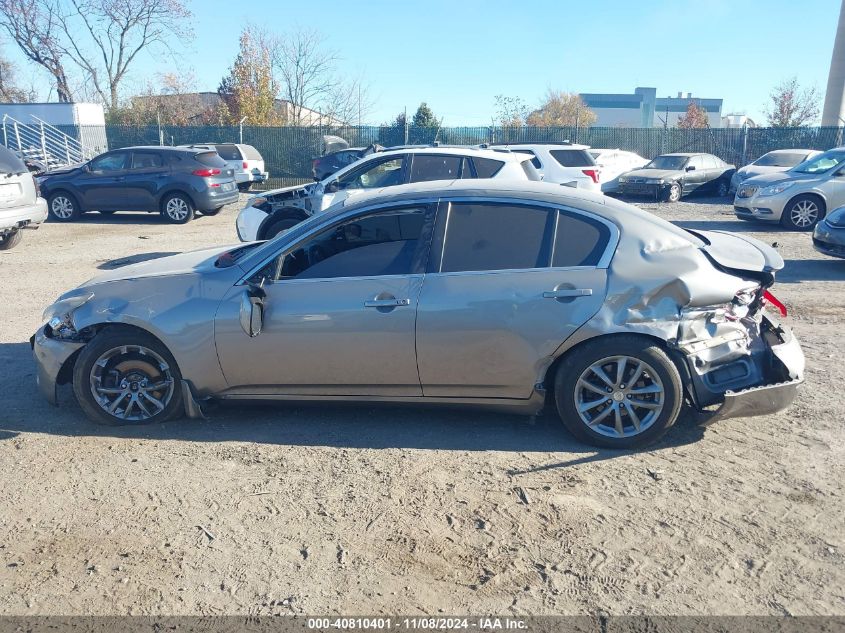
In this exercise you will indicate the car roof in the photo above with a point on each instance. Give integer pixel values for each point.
(555, 145)
(454, 150)
(157, 148)
(791, 151)
(687, 154)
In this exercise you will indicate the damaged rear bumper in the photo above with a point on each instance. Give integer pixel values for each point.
(780, 367)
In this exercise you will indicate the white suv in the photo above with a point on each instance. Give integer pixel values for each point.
(269, 213)
(562, 163)
(20, 205)
(244, 160)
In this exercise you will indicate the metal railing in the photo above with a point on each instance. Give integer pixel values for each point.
(38, 140)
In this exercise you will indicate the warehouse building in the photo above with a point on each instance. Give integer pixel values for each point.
(644, 108)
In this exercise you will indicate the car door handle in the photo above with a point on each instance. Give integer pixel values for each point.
(567, 292)
(386, 303)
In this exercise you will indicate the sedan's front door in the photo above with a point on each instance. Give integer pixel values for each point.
(508, 284)
(339, 312)
(696, 174)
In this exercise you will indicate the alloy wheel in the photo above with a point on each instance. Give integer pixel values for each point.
(62, 207)
(804, 213)
(177, 209)
(132, 383)
(619, 396)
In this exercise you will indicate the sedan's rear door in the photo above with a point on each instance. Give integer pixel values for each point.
(508, 283)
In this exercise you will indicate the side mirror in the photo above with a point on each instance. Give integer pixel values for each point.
(332, 187)
(252, 310)
(691, 168)
(86, 167)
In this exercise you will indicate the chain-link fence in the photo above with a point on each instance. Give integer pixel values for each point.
(288, 151)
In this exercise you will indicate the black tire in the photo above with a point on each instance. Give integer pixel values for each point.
(115, 371)
(244, 186)
(177, 208)
(280, 225)
(802, 213)
(635, 349)
(63, 207)
(722, 188)
(673, 193)
(211, 211)
(10, 241)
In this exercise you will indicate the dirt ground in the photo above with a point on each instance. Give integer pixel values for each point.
(366, 510)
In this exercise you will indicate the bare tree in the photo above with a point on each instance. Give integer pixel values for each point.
(101, 38)
(510, 111)
(10, 90)
(348, 102)
(304, 69)
(34, 26)
(792, 106)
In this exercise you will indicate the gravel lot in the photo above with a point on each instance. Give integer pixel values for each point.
(362, 510)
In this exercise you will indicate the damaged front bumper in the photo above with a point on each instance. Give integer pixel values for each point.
(763, 381)
(51, 354)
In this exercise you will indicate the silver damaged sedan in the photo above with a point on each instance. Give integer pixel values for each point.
(515, 296)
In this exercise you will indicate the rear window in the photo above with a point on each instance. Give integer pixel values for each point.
(250, 153)
(486, 167)
(210, 159)
(228, 152)
(573, 157)
(9, 162)
(530, 172)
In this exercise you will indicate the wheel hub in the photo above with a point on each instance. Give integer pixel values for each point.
(132, 383)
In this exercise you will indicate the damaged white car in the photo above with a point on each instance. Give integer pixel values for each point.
(268, 214)
(515, 296)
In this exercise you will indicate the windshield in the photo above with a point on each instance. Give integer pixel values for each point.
(779, 159)
(821, 163)
(668, 162)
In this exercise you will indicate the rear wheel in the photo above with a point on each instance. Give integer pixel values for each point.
(177, 208)
(244, 186)
(10, 241)
(63, 207)
(802, 213)
(618, 392)
(127, 377)
(722, 188)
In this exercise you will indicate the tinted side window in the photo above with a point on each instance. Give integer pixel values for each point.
(109, 162)
(228, 152)
(373, 175)
(466, 169)
(486, 167)
(573, 157)
(579, 241)
(489, 236)
(381, 244)
(146, 160)
(433, 167)
(210, 159)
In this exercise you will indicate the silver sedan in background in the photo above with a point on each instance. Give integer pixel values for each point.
(510, 295)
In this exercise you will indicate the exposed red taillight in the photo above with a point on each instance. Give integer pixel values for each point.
(205, 173)
(245, 165)
(592, 173)
(768, 297)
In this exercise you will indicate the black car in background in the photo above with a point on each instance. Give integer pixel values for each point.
(670, 176)
(173, 181)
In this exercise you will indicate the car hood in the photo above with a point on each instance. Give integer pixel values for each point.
(62, 171)
(740, 252)
(778, 176)
(750, 171)
(191, 262)
(654, 173)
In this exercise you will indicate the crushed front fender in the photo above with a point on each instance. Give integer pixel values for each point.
(50, 355)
